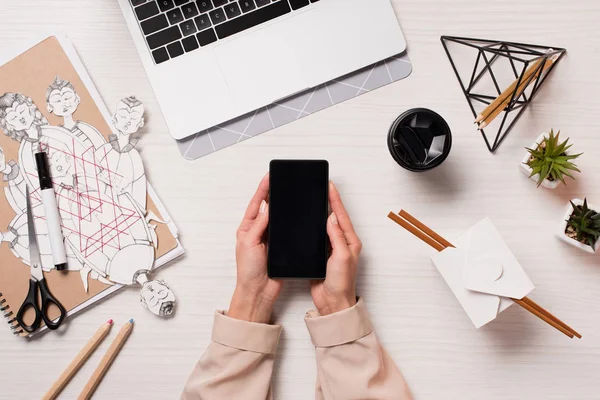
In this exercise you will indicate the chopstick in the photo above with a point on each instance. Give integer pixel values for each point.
(416, 232)
(555, 319)
(544, 317)
(425, 229)
(436, 241)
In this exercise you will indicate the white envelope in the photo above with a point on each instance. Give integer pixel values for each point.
(483, 273)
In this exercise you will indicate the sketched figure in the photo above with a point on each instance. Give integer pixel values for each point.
(62, 100)
(21, 120)
(129, 176)
(123, 166)
(158, 297)
(125, 174)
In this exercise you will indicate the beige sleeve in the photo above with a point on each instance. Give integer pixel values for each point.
(351, 363)
(238, 363)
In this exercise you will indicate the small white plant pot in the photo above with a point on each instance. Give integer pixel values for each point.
(561, 234)
(527, 169)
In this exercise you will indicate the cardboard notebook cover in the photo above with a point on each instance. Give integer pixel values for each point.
(30, 74)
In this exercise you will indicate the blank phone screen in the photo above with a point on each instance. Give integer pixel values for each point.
(298, 244)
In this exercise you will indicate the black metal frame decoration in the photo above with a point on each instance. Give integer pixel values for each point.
(489, 51)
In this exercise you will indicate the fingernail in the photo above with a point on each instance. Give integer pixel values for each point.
(334, 219)
(332, 187)
(263, 207)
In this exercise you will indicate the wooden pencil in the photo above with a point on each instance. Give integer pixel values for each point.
(106, 362)
(508, 92)
(522, 87)
(80, 359)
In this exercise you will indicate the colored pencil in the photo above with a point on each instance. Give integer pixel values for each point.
(77, 362)
(106, 362)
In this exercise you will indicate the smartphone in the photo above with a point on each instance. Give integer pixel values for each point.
(298, 245)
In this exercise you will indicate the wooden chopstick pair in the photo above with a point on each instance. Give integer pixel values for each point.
(430, 237)
(489, 114)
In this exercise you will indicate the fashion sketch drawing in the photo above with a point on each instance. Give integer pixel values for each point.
(100, 187)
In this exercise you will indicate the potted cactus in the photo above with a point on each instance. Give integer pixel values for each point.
(581, 226)
(548, 161)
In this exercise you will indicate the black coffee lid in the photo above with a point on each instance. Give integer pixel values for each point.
(419, 140)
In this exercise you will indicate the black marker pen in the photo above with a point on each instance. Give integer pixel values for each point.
(51, 210)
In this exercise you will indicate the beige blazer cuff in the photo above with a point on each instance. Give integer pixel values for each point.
(244, 335)
(339, 328)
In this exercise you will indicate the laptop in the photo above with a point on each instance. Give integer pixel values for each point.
(210, 61)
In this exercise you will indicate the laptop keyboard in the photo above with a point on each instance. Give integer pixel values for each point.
(175, 27)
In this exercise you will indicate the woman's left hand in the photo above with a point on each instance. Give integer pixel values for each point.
(255, 293)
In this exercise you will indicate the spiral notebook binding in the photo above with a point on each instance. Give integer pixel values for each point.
(12, 322)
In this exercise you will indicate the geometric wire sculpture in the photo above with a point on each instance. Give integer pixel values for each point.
(516, 59)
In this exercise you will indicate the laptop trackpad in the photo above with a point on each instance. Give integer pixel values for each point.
(264, 65)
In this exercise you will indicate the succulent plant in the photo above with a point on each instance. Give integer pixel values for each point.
(551, 161)
(585, 223)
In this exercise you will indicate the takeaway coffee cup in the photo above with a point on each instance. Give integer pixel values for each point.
(419, 140)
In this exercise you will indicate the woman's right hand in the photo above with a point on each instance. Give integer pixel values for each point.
(338, 291)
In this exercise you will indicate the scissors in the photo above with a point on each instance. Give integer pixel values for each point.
(37, 283)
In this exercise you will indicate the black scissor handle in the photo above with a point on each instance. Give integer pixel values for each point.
(30, 302)
(47, 300)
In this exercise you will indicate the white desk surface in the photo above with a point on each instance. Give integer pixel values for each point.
(415, 314)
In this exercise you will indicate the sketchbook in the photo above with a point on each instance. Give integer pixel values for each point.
(115, 227)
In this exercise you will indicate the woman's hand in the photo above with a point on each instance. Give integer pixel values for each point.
(338, 291)
(255, 292)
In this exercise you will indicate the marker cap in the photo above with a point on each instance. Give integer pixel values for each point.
(61, 267)
(43, 170)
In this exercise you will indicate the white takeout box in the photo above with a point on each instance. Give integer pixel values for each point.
(483, 273)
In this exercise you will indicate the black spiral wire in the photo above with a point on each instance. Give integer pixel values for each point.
(9, 315)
